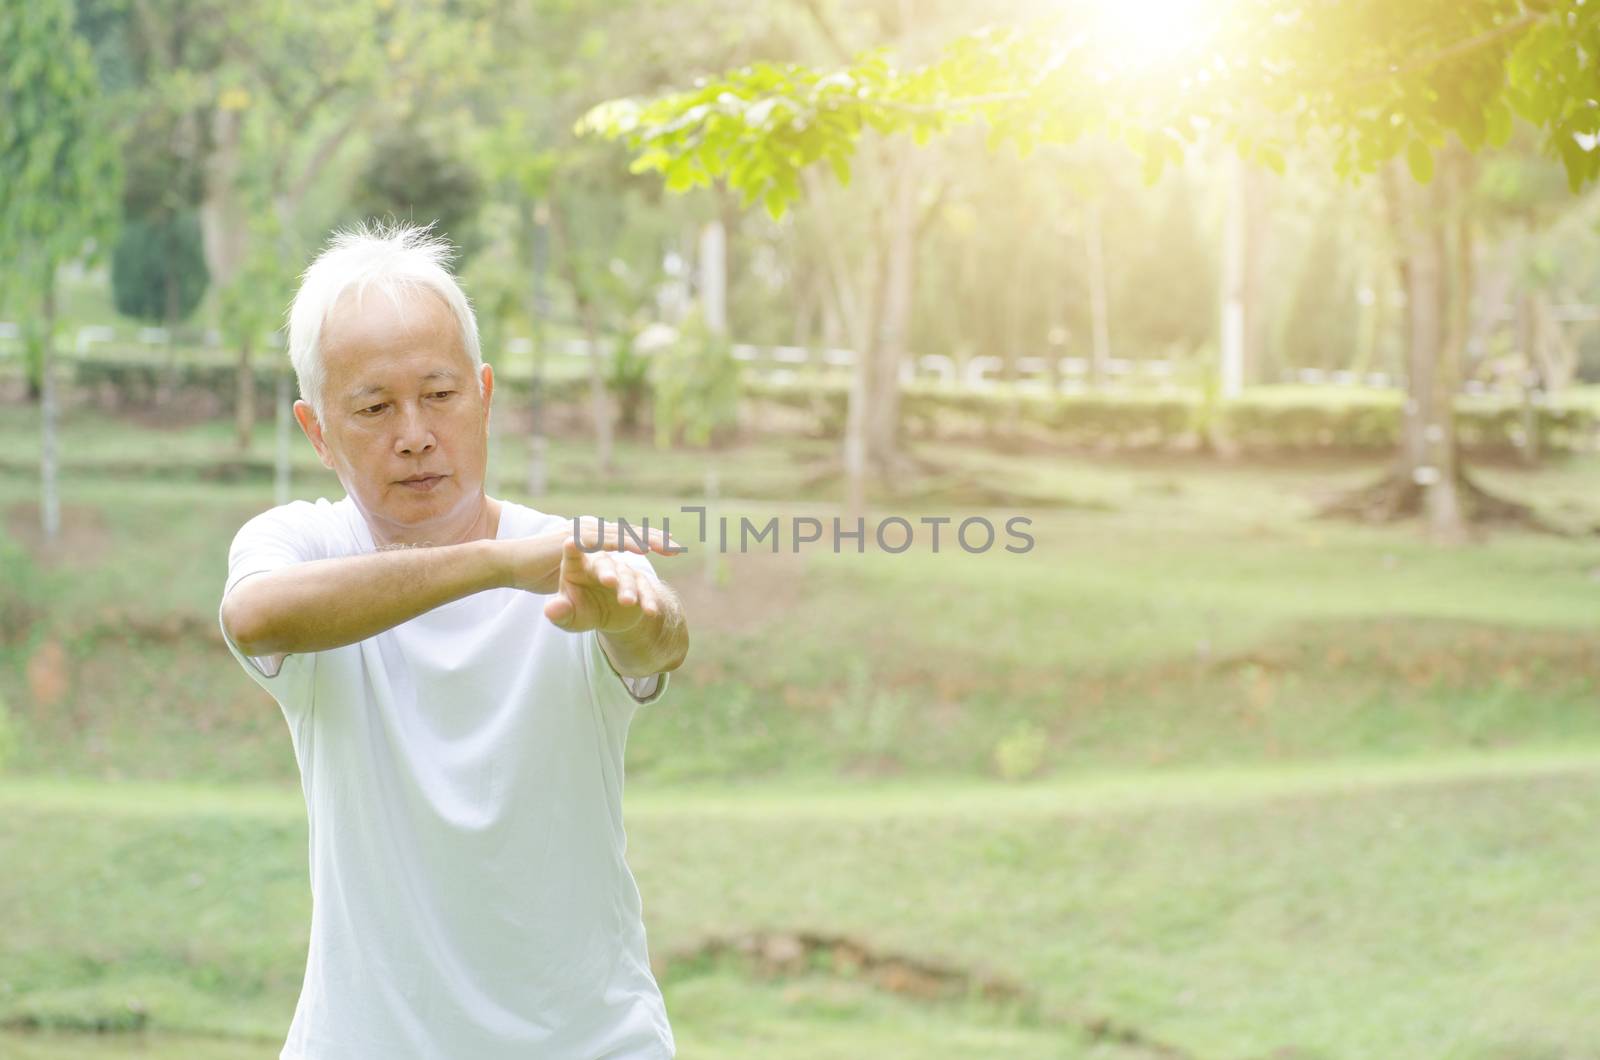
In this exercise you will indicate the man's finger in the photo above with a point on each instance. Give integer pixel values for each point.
(604, 569)
(610, 538)
(577, 566)
(559, 610)
(627, 585)
(653, 541)
(648, 600)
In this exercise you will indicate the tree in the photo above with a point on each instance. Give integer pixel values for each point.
(158, 271)
(577, 216)
(1378, 80)
(59, 178)
(260, 100)
(411, 175)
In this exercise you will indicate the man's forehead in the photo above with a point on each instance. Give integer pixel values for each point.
(371, 343)
(360, 316)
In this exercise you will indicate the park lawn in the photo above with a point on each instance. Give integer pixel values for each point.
(1297, 785)
(1402, 910)
(1165, 615)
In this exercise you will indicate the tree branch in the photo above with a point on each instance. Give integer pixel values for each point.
(323, 154)
(826, 28)
(1449, 51)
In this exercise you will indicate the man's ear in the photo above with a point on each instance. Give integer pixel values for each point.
(486, 374)
(307, 418)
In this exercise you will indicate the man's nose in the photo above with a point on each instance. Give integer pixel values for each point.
(415, 435)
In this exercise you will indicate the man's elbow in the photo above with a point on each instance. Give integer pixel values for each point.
(244, 625)
(683, 655)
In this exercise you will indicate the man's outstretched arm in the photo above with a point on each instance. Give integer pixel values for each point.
(328, 603)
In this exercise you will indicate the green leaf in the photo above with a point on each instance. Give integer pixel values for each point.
(1497, 123)
(1420, 160)
(775, 204)
(841, 166)
(680, 175)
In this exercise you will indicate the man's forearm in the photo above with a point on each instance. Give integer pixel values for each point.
(328, 603)
(655, 643)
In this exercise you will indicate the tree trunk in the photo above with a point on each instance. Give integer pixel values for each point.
(1258, 187)
(49, 494)
(1446, 518)
(1434, 242)
(1528, 377)
(873, 309)
(244, 411)
(282, 434)
(1235, 229)
(1428, 455)
(864, 334)
(712, 258)
(1243, 234)
(1374, 280)
(223, 230)
(894, 319)
(1099, 302)
(536, 243)
(169, 317)
(856, 443)
(599, 407)
(1015, 295)
(1555, 355)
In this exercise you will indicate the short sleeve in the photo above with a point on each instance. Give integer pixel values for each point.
(276, 538)
(628, 691)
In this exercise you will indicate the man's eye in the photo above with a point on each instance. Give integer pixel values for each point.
(373, 408)
(442, 394)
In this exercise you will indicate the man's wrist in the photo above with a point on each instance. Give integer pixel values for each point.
(626, 644)
(496, 562)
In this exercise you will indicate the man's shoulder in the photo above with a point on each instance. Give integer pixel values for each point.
(521, 520)
(301, 508)
(320, 523)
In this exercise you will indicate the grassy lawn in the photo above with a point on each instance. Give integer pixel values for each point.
(1198, 773)
(1165, 616)
(1366, 910)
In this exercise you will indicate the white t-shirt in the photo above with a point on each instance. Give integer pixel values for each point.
(463, 782)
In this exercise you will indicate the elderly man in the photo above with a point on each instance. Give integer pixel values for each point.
(459, 710)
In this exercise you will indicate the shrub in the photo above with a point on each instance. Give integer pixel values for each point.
(1021, 752)
(696, 383)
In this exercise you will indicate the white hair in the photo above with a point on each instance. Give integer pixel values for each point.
(395, 257)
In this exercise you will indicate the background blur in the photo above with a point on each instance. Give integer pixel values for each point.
(1282, 740)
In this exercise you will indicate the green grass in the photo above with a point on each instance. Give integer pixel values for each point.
(1293, 785)
(1377, 910)
(1167, 614)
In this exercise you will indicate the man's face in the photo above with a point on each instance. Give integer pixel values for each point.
(400, 400)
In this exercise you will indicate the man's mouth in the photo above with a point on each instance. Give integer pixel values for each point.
(422, 482)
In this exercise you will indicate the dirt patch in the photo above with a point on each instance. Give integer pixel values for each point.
(778, 954)
(783, 953)
(133, 626)
(82, 539)
(1454, 652)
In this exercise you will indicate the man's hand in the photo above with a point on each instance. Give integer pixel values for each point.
(535, 563)
(600, 591)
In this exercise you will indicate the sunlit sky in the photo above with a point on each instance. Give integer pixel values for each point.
(1147, 35)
